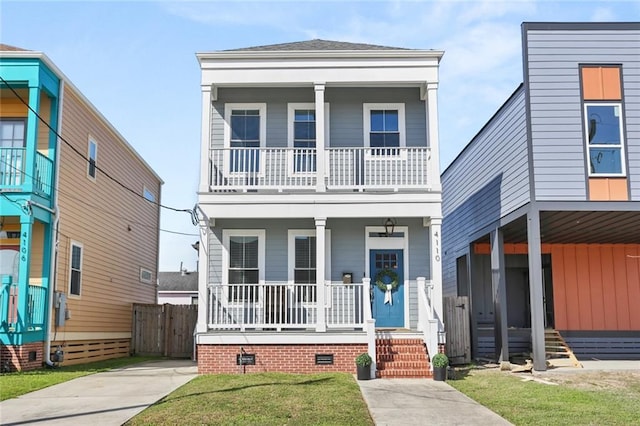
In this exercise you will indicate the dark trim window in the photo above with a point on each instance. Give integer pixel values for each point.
(75, 279)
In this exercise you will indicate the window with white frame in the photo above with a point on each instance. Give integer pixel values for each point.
(245, 264)
(384, 127)
(303, 262)
(12, 140)
(12, 133)
(605, 142)
(92, 155)
(75, 277)
(145, 275)
(245, 133)
(302, 135)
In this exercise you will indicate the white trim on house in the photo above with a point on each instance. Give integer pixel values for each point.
(73, 244)
(92, 141)
(621, 146)
(272, 338)
(291, 253)
(366, 121)
(390, 243)
(262, 112)
(226, 236)
(345, 205)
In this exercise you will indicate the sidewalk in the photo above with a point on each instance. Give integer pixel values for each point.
(423, 401)
(109, 398)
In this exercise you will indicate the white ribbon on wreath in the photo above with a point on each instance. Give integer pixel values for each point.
(387, 295)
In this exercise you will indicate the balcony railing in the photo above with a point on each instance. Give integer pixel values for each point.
(36, 307)
(278, 306)
(13, 173)
(242, 169)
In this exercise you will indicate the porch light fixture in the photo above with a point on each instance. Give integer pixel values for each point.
(389, 225)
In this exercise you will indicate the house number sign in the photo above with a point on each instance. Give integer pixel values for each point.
(24, 240)
(436, 245)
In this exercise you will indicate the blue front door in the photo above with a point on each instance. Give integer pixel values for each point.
(388, 309)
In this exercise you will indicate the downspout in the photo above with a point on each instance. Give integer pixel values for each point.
(56, 231)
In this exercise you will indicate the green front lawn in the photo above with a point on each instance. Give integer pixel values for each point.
(262, 399)
(15, 384)
(578, 398)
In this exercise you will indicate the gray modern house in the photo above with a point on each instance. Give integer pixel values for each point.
(541, 209)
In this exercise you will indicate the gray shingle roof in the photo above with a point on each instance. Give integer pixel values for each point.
(9, 48)
(175, 281)
(316, 44)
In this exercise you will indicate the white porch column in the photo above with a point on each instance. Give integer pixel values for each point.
(320, 136)
(432, 134)
(203, 274)
(321, 224)
(205, 139)
(434, 225)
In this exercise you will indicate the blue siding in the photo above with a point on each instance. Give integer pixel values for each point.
(345, 112)
(488, 180)
(347, 249)
(558, 143)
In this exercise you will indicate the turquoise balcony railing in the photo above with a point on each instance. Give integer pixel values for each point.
(13, 176)
(36, 307)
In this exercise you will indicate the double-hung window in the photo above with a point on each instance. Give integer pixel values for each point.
(245, 264)
(75, 278)
(605, 138)
(302, 120)
(245, 133)
(304, 140)
(92, 154)
(12, 152)
(304, 268)
(384, 128)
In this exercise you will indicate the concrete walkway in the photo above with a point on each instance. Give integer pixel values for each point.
(423, 402)
(109, 398)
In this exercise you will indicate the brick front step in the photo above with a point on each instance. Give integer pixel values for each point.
(401, 358)
(403, 374)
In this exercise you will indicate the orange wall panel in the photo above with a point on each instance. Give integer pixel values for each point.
(608, 189)
(596, 286)
(601, 83)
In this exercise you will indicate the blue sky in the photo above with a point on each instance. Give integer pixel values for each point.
(135, 61)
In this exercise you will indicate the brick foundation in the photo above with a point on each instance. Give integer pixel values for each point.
(281, 358)
(16, 358)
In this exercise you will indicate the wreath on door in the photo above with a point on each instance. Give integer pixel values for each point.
(387, 277)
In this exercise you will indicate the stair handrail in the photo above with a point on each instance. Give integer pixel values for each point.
(428, 321)
(369, 322)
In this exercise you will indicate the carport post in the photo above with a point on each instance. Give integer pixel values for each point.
(536, 290)
(499, 287)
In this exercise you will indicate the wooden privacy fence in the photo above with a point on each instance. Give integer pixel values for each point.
(165, 330)
(456, 322)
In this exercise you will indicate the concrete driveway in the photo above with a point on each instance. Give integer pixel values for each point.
(109, 398)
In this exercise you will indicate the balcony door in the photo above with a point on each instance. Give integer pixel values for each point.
(12, 151)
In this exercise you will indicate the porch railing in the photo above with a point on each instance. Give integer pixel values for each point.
(242, 169)
(428, 321)
(36, 307)
(13, 171)
(279, 305)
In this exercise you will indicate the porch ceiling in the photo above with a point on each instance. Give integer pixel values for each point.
(613, 227)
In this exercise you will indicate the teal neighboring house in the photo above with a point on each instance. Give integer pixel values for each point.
(28, 157)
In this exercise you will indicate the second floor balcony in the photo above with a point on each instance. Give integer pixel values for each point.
(20, 174)
(302, 169)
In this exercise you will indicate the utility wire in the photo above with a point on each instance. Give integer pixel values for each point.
(88, 204)
(73, 148)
